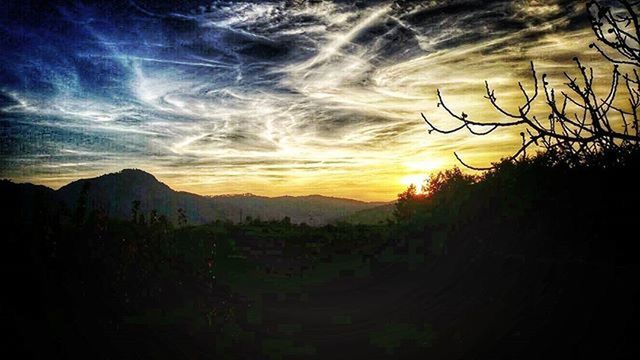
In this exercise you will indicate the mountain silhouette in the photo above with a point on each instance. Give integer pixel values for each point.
(114, 194)
(371, 216)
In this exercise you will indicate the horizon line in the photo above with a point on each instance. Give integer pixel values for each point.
(238, 194)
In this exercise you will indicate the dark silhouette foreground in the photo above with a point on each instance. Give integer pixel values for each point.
(531, 260)
(537, 258)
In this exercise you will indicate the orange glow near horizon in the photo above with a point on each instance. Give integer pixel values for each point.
(347, 123)
(417, 180)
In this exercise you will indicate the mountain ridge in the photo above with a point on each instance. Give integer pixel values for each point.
(234, 195)
(114, 193)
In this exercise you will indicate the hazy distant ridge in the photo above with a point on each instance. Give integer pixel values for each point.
(115, 192)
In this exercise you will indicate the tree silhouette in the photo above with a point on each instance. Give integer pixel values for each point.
(135, 210)
(580, 123)
(406, 204)
(448, 180)
(153, 217)
(81, 206)
(182, 217)
(617, 28)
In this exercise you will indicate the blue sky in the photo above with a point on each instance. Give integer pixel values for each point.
(287, 97)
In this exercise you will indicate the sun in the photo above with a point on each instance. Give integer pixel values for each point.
(418, 180)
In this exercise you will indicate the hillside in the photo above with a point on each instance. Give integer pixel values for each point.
(372, 216)
(114, 194)
(481, 269)
(23, 203)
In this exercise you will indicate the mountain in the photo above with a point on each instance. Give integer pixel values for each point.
(25, 202)
(114, 194)
(371, 216)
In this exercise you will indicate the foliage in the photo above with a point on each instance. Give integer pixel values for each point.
(408, 203)
(540, 197)
(212, 283)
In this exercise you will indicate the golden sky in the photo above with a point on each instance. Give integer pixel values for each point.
(273, 98)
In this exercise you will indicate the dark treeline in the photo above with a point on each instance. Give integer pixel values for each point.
(80, 282)
(531, 257)
(535, 258)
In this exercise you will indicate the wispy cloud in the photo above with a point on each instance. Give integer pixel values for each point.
(267, 97)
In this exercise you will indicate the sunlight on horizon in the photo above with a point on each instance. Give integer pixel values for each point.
(277, 98)
(418, 180)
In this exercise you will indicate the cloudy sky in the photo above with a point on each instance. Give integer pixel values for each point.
(273, 98)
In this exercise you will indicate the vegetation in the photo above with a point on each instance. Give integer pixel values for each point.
(110, 273)
(537, 256)
(524, 233)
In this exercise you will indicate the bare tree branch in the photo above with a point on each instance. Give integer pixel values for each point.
(581, 123)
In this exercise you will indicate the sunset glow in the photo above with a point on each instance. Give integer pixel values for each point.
(418, 180)
(320, 179)
(271, 98)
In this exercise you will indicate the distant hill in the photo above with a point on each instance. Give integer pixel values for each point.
(114, 194)
(25, 202)
(371, 216)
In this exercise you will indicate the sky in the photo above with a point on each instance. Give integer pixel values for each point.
(271, 98)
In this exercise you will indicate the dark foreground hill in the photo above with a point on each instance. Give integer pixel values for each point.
(115, 193)
(376, 215)
(532, 261)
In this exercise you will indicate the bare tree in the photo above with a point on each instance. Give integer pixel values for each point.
(617, 29)
(580, 123)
